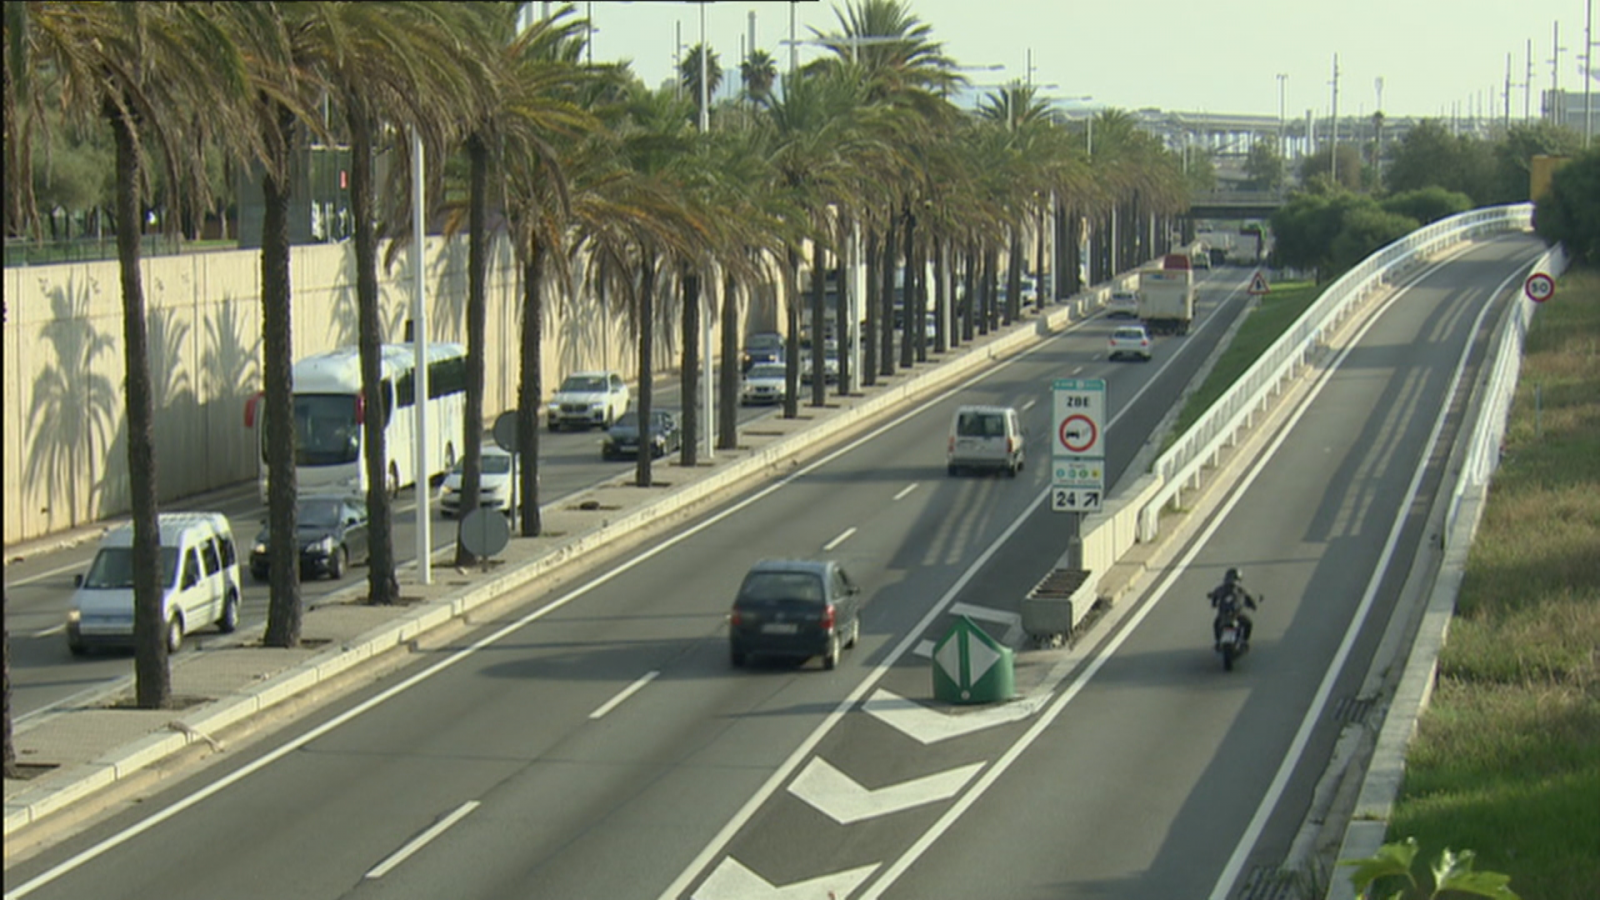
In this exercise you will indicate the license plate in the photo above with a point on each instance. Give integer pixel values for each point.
(780, 628)
(1228, 635)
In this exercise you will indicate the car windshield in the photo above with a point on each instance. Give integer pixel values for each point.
(763, 342)
(780, 587)
(112, 568)
(318, 513)
(767, 371)
(627, 420)
(583, 384)
(496, 464)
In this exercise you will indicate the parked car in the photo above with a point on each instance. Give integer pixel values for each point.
(986, 438)
(623, 438)
(587, 400)
(830, 362)
(1122, 305)
(762, 347)
(1130, 340)
(495, 490)
(764, 383)
(332, 532)
(794, 608)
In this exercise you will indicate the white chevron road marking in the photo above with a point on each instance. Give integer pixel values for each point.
(845, 800)
(732, 881)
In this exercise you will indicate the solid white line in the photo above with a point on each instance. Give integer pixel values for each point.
(844, 536)
(41, 576)
(1029, 405)
(627, 692)
(421, 840)
(55, 629)
(904, 491)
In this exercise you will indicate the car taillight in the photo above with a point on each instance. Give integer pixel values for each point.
(734, 618)
(827, 617)
(1144, 342)
(1011, 445)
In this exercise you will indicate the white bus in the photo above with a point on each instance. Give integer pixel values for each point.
(329, 410)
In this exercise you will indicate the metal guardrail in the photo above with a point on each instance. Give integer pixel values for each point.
(1219, 426)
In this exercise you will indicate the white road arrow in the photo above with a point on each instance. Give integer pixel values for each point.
(732, 881)
(844, 800)
(929, 726)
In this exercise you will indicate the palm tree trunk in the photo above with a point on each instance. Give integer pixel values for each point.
(689, 373)
(1039, 266)
(728, 375)
(869, 335)
(383, 586)
(891, 251)
(941, 292)
(530, 390)
(1013, 309)
(477, 326)
(647, 355)
(284, 610)
(819, 287)
(153, 678)
(969, 304)
(844, 323)
(791, 350)
(914, 325)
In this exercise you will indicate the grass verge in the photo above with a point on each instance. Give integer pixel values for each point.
(1266, 323)
(1506, 760)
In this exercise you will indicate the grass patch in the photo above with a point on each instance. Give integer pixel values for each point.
(1261, 327)
(1506, 760)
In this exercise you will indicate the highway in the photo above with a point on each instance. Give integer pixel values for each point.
(600, 745)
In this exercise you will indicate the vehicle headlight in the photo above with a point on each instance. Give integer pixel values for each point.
(260, 548)
(73, 616)
(446, 491)
(325, 545)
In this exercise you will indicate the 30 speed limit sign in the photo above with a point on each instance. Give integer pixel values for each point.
(1539, 287)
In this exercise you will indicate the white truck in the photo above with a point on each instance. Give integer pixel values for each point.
(1166, 300)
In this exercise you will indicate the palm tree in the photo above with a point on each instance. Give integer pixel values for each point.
(389, 63)
(160, 75)
(759, 72)
(689, 73)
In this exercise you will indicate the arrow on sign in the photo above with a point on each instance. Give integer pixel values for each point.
(732, 881)
(846, 801)
(929, 726)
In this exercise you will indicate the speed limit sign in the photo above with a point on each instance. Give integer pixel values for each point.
(1539, 287)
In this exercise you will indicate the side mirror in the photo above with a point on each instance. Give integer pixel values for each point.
(77, 580)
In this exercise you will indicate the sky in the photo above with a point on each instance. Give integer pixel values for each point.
(1434, 58)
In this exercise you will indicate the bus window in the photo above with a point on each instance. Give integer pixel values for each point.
(326, 427)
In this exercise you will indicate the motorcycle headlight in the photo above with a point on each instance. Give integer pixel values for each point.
(260, 548)
(325, 545)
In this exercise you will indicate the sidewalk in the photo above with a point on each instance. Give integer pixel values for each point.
(221, 681)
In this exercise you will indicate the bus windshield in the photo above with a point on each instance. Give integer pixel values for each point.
(325, 425)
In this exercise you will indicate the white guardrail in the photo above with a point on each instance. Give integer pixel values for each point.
(1180, 466)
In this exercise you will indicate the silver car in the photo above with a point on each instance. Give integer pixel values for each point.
(495, 490)
(1132, 341)
(764, 383)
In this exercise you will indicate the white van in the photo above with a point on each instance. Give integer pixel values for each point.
(199, 578)
(986, 437)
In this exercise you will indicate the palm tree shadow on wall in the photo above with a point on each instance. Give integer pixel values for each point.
(72, 409)
(447, 312)
(230, 367)
(174, 401)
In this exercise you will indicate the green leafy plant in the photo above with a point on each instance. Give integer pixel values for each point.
(1452, 874)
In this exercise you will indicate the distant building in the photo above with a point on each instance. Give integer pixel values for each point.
(1567, 108)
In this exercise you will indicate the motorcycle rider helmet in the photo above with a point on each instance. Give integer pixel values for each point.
(1233, 576)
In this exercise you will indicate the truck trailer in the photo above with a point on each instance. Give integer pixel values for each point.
(1166, 300)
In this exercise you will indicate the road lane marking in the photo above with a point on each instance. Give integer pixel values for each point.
(51, 631)
(846, 801)
(421, 840)
(626, 692)
(844, 536)
(732, 881)
(904, 491)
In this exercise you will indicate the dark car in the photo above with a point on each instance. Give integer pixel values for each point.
(762, 347)
(797, 608)
(623, 438)
(331, 531)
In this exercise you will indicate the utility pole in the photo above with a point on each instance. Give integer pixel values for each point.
(1283, 78)
(1507, 93)
(1588, 72)
(1333, 145)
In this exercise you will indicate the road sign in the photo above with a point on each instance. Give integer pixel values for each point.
(1258, 284)
(1077, 485)
(971, 667)
(1539, 287)
(1080, 406)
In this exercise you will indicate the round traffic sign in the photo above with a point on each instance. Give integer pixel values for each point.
(484, 532)
(1078, 433)
(505, 431)
(1539, 287)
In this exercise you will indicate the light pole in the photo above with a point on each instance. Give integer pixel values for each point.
(1283, 78)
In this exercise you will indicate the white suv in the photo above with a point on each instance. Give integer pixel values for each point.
(588, 400)
(1130, 340)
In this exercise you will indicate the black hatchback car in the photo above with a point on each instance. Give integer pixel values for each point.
(331, 531)
(795, 608)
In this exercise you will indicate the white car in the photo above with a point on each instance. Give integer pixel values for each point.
(764, 383)
(588, 400)
(1122, 305)
(1130, 340)
(495, 490)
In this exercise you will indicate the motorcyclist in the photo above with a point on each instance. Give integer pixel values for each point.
(1231, 598)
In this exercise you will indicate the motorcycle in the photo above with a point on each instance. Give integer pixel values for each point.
(1231, 644)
